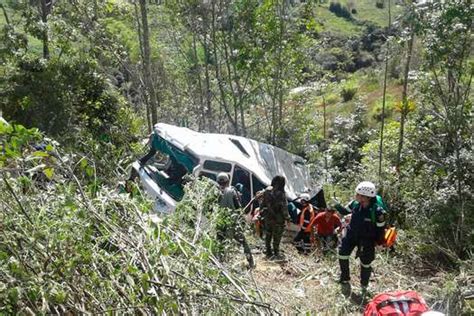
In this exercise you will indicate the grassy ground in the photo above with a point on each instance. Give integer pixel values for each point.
(337, 25)
(369, 92)
(307, 284)
(366, 11)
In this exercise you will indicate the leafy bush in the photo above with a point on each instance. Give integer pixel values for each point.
(64, 251)
(331, 98)
(340, 10)
(70, 100)
(348, 135)
(348, 92)
(59, 96)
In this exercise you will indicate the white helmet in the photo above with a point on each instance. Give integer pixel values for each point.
(366, 188)
(222, 177)
(305, 197)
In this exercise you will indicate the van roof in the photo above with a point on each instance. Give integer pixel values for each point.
(263, 160)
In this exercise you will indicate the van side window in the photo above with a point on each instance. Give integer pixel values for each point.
(242, 176)
(217, 166)
(209, 175)
(257, 185)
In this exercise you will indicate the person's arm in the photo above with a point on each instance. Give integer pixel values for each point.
(237, 203)
(283, 206)
(317, 219)
(345, 210)
(337, 221)
(380, 217)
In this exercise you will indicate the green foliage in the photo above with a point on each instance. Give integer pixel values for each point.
(65, 250)
(443, 141)
(339, 10)
(59, 96)
(331, 98)
(13, 140)
(348, 92)
(348, 135)
(390, 107)
(299, 133)
(71, 100)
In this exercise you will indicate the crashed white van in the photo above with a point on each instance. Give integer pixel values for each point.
(249, 163)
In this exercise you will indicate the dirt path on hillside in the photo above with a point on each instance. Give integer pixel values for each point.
(307, 283)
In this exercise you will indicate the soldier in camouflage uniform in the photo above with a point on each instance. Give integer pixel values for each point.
(230, 199)
(275, 215)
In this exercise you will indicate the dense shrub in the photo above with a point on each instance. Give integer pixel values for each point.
(347, 136)
(348, 92)
(65, 251)
(339, 10)
(59, 96)
(70, 100)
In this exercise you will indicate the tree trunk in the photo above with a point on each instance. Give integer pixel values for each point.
(5, 15)
(45, 10)
(220, 80)
(197, 73)
(153, 101)
(404, 107)
(208, 107)
(384, 99)
(325, 138)
(282, 14)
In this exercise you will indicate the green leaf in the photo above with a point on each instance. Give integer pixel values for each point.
(40, 154)
(84, 163)
(49, 172)
(89, 171)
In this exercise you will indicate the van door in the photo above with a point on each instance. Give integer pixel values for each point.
(242, 176)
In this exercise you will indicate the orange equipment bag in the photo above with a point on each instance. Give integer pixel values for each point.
(389, 237)
(398, 303)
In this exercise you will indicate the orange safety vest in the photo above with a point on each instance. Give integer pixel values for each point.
(305, 223)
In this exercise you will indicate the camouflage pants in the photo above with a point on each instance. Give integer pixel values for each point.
(273, 234)
(235, 232)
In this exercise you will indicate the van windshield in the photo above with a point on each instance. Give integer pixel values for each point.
(172, 187)
(168, 173)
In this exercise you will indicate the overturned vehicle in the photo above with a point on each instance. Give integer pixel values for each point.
(176, 152)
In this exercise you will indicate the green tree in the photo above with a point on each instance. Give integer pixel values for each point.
(443, 141)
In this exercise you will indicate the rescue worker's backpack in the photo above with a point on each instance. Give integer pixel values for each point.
(398, 303)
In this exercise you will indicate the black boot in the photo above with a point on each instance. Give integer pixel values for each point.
(345, 273)
(365, 276)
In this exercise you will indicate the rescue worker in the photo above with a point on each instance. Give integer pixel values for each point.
(345, 210)
(302, 240)
(229, 198)
(274, 211)
(326, 224)
(365, 228)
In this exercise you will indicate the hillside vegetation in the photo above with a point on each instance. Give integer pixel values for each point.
(359, 91)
